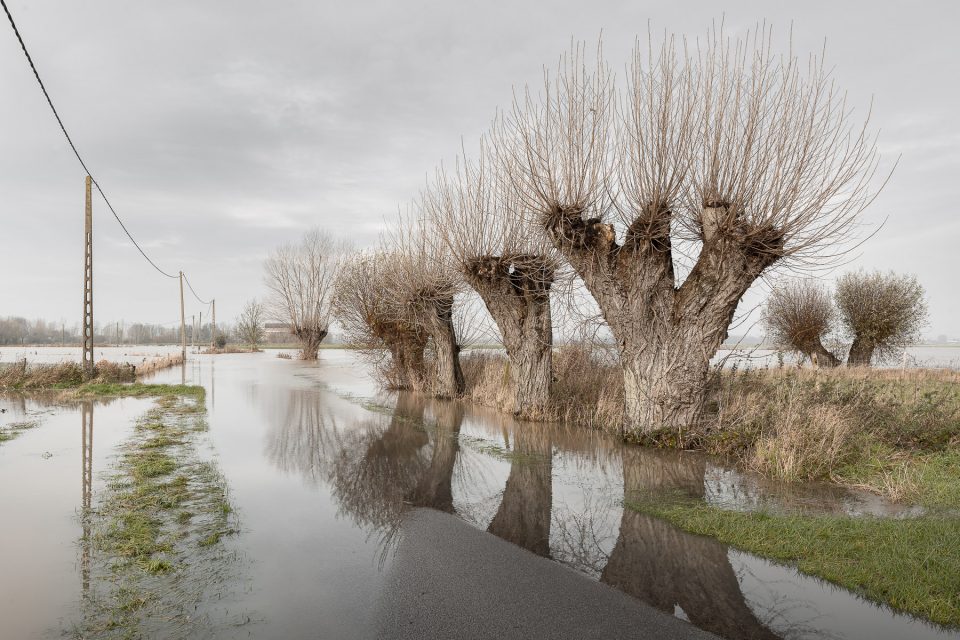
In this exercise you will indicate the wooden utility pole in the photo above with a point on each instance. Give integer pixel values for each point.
(213, 331)
(86, 337)
(183, 324)
(193, 331)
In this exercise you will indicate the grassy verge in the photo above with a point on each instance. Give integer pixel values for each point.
(154, 535)
(913, 565)
(889, 431)
(20, 376)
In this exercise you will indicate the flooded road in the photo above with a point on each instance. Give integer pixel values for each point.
(365, 514)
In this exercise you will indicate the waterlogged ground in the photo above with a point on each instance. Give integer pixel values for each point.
(324, 473)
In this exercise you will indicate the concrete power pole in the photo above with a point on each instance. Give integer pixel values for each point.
(86, 338)
(183, 324)
(213, 330)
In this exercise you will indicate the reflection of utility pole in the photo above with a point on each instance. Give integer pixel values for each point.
(87, 327)
(86, 413)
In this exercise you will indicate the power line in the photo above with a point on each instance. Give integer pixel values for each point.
(63, 128)
(199, 299)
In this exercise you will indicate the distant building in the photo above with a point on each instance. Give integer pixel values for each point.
(277, 332)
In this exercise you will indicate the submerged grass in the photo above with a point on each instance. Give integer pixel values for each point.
(14, 429)
(164, 512)
(911, 564)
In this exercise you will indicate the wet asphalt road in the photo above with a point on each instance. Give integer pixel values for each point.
(451, 580)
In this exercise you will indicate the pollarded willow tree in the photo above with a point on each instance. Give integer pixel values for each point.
(365, 306)
(881, 313)
(734, 156)
(301, 277)
(509, 265)
(426, 286)
(799, 315)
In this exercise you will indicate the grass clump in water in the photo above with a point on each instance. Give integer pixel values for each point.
(14, 429)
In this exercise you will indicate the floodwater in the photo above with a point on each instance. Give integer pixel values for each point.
(323, 469)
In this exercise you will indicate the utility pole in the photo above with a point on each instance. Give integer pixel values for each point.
(87, 327)
(193, 330)
(118, 334)
(200, 329)
(183, 324)
(213, 331)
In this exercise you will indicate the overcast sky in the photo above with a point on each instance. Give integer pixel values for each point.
(220, 129)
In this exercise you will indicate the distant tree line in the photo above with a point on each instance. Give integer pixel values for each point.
(16, 330)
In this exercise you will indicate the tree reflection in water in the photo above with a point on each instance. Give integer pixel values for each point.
(380, 465)
(524, 514)
(664, 566)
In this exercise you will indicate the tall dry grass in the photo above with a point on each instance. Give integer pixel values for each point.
(586, 390)
(23, 375)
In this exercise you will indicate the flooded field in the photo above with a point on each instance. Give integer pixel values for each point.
(331, 479)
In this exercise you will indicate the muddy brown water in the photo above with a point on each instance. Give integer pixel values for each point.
(322, 467)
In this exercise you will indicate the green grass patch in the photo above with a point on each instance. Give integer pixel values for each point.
(139, 390)
(163, 503)
(912, 565)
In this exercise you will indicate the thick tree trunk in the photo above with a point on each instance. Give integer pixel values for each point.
(516, 292)
(861, 353)
(820, 357)
(448, 382)
(664, 387)
(406, 353)
(667, 334)
(310, 339)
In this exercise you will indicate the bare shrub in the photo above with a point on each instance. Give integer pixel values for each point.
(881, 313)
(798, 317)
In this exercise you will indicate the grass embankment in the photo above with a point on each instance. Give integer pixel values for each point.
(893, 432)
(155, 530)
(20, 376)
(912, 564)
